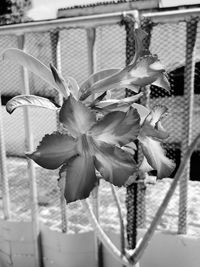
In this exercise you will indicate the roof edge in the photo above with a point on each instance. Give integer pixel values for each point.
(114, 6)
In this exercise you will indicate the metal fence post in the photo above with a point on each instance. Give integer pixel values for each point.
(135, 197)
(131, 192)
(191, 31)
(3, 170)
(56, 60)
(91, 48)
(29, 145)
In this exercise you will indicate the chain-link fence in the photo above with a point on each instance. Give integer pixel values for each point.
(68, 49)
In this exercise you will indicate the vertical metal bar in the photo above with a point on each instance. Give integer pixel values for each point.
(91, 38)
(131, 192)
(56, 58)
(29, 145)
(191, 30)
(3, 170)
(135, 197)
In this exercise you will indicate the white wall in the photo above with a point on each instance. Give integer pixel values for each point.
(43, 122)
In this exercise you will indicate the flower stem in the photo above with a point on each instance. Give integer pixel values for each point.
(122, 231)
(145, 240)
(103, 237)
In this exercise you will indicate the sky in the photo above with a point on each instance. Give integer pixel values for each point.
(47, 9)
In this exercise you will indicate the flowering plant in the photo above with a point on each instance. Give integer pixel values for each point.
(98, 132)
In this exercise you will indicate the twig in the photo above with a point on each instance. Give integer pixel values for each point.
(122, 231)
(104, 238)
(145, 240)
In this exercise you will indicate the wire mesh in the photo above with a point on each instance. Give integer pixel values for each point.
(169, 42)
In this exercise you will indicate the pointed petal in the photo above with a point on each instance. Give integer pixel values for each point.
(152, 126)
(32, 64)
(95, 78)
(146, 71)
(156, 158)
(60, 81)
(142, 110)
(29, 100)
(163, 82)
(117, 127)
(114, 164)
(54, 150)
(148, 130)
(144, 166)
(130, 148)
(76, 117)
(157, 114)
(78, 178)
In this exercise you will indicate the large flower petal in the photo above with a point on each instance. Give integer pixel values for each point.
(156, 158)
(117, 127)
(78, 178)
(152, 124)
(148, 130)
(76, 117)
(114, 164)
(147, 70)
(54, 150)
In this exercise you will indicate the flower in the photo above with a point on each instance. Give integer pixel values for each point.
(150, 136)
(91, 145)
(145, 69)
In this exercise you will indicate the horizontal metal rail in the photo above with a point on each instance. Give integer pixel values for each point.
(96, 20)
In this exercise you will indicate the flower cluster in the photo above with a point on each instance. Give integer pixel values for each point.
(99, 132)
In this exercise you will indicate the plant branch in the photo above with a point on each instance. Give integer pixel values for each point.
(145, 240)
(122, 231)
(104, 238)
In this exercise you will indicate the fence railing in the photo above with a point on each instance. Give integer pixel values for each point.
(78, 47)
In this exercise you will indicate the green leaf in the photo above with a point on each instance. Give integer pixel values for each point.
(78, 178)
(32, 64)
(76, 117)
(139, 36)
(117, 127)
(114, 164)
(109, 82)
(73, 87)
(54, 150)
(29, 100)
(110, 105)
(60, 81)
